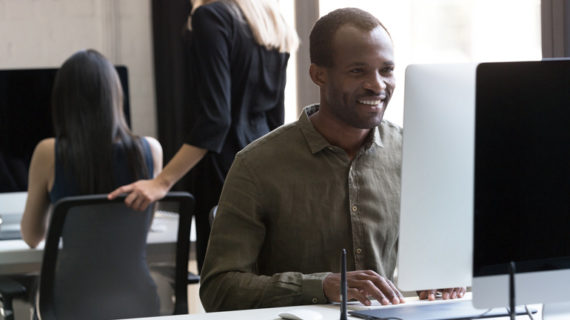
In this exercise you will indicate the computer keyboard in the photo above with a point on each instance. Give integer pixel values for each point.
(452, 309)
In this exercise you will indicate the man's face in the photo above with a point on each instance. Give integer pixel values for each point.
(361, 81)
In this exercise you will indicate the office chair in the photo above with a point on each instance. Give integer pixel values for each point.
(100, 271)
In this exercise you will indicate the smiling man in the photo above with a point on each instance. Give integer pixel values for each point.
(295, 197)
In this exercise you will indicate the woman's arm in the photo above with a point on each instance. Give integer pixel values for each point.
(143, 192)
(40, 180)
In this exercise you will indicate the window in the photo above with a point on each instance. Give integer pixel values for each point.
(445, 31)
(287, 8)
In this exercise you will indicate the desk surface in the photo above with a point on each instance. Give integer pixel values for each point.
(328, 311)
(17, 258)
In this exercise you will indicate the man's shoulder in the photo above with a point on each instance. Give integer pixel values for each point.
(391, 127)
(278, 139)
(390, 133)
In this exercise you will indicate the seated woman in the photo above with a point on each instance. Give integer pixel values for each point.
(93, 152)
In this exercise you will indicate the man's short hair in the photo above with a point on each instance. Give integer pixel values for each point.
(320, 40)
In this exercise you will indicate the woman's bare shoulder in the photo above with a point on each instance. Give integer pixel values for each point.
(45, 148)
(155, 146)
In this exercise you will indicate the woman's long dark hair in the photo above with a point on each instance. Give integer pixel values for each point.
(87, 104)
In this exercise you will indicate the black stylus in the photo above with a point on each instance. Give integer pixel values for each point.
(343, 314)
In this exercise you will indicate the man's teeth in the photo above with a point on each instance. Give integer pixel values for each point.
(370, 102)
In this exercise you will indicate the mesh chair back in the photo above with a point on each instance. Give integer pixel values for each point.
(95, 264)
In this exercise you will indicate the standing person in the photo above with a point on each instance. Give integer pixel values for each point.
(93, 152)
(296, 197)
(239, 55)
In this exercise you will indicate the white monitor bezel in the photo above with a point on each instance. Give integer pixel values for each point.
(493, 291)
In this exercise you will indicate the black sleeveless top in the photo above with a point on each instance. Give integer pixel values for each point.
(63, 188)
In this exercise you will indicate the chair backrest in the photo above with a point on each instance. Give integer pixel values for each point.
(99, 269)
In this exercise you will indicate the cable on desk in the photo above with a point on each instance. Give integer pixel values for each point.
(528, 312)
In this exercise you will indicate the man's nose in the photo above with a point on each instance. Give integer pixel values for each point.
(375, 83)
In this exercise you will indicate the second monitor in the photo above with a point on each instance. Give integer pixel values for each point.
(522, 182)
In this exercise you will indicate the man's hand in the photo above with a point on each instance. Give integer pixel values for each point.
(360, 285)
(141, 193)
(449, 293)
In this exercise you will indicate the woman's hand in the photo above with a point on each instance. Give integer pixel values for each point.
(140, 193)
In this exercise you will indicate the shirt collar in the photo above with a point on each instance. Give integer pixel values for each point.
(376, 139)
(317, 142)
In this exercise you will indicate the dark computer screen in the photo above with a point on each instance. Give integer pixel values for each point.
(522, 167)
(25, 119)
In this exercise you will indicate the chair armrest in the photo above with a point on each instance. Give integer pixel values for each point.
(193, 278)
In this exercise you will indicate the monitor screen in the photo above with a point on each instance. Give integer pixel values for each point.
(25, 119)
(437, 177)
(522, 181)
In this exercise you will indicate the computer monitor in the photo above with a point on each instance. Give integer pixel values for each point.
(25, 119)
(435, 244)
(522, 182)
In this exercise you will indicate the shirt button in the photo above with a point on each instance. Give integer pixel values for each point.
(315, 300)
(354, 208)
(359, 251)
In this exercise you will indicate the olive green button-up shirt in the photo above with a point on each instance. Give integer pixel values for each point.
(290, 203)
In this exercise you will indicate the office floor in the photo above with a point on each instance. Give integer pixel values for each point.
(194, 304)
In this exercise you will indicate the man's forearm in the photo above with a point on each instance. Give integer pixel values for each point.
(240, 290)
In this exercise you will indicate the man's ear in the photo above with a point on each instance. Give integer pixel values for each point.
(318, 74)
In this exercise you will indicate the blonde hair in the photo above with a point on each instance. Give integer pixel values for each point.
(268, 26)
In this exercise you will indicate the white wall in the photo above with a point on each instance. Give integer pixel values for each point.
(43, 33)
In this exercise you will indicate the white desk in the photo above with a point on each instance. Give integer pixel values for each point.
(328, 311)
(17, 258)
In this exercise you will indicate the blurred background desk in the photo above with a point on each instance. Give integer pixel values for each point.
(17, 258)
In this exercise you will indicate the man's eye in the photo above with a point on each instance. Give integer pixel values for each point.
(387, 70)
(356, 70)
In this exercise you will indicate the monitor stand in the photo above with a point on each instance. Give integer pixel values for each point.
(556, 311)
